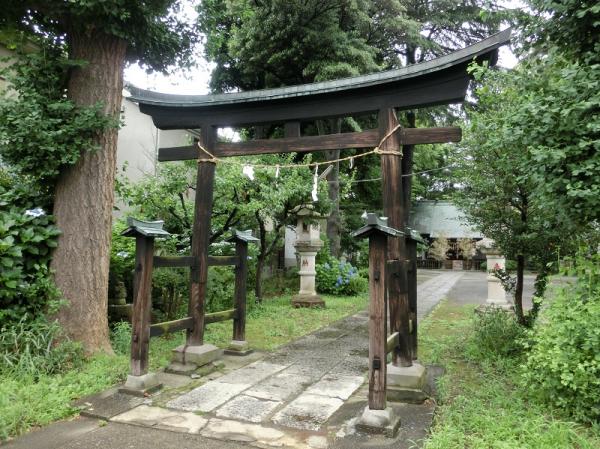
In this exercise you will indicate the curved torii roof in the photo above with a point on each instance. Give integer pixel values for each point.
(442, 80)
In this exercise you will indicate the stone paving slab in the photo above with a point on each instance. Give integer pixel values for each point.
(255, 434)
(107, 404)
(207, 397)
(162, 418)
(280, 387)
(248, 408)
(252, 374)
(336, 386)
(307, 411)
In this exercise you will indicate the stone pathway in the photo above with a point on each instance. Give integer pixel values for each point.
(429, 293)
(298, 387)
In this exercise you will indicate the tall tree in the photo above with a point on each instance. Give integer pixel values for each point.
(102, 36)
(276, 43)
(280, 42)
(500, 184)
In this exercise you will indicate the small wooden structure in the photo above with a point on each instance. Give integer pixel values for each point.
(145, 261)
(380, 344)
(439, 81)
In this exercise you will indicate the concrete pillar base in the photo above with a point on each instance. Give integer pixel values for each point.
(307, 301)
(239, 348)
(406, 384)
(187, 359)
(141, 385)
(379, 421)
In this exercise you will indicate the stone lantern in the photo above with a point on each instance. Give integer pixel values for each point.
(494, 260)
(308, 243)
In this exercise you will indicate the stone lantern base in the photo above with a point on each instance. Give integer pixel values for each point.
(307, 301)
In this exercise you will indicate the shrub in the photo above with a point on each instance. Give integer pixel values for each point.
(563, 366)
(35, 348)
(496, 334)
(339, 278)
(120, 337)
(27, 238)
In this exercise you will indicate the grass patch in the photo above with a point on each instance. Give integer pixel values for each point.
(481, 404)
(26, 402)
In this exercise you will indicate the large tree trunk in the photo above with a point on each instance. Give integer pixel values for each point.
(519, 289)
(85, 195)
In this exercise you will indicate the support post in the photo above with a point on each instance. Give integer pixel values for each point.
(377, 321)
(241, 274)
(142, 305)
(239, 345)
(195, 353)
(411, 245)
(377, 417)
(412, 295)
(201, 235)
(393, 207)
(140, 381)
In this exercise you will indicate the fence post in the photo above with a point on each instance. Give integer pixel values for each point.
(377, 417)
(139, 381)
(239, 345)
(412, 238)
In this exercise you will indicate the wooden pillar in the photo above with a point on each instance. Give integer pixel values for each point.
(241, 275)
(377, 321)
(407, 168)
(412, 294)
(201, 235)
(142, 305)
(291, 129)
(391, 172)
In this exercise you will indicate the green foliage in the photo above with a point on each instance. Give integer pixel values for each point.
(26, 402)
(496, 335)
(339, 278)
(219, 289)
(120, 337)
(42, 131)
(481, 405)
(154, 33)
(572, 26)
(36, 348)
(27, 237)
(563, 366)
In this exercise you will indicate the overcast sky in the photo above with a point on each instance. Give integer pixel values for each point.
(195, 81)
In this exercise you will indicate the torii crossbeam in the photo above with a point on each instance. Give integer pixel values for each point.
(439, 81)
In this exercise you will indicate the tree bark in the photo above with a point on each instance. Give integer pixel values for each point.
(519, 289)
(84, 195)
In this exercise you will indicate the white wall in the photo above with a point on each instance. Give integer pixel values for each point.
(138, 144)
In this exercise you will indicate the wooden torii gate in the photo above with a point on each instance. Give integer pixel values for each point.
(440, 81)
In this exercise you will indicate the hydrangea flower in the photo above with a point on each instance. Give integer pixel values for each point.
(37, 212)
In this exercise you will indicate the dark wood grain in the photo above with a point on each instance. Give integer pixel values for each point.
(167, 327)
(174, 261)
(201, 238)
(221, 261)
(392, 342)
(220, 316)
(290, 143)
(241, 276)
(377, 321)
(412, 295)
(142, 305)
(391, 172)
